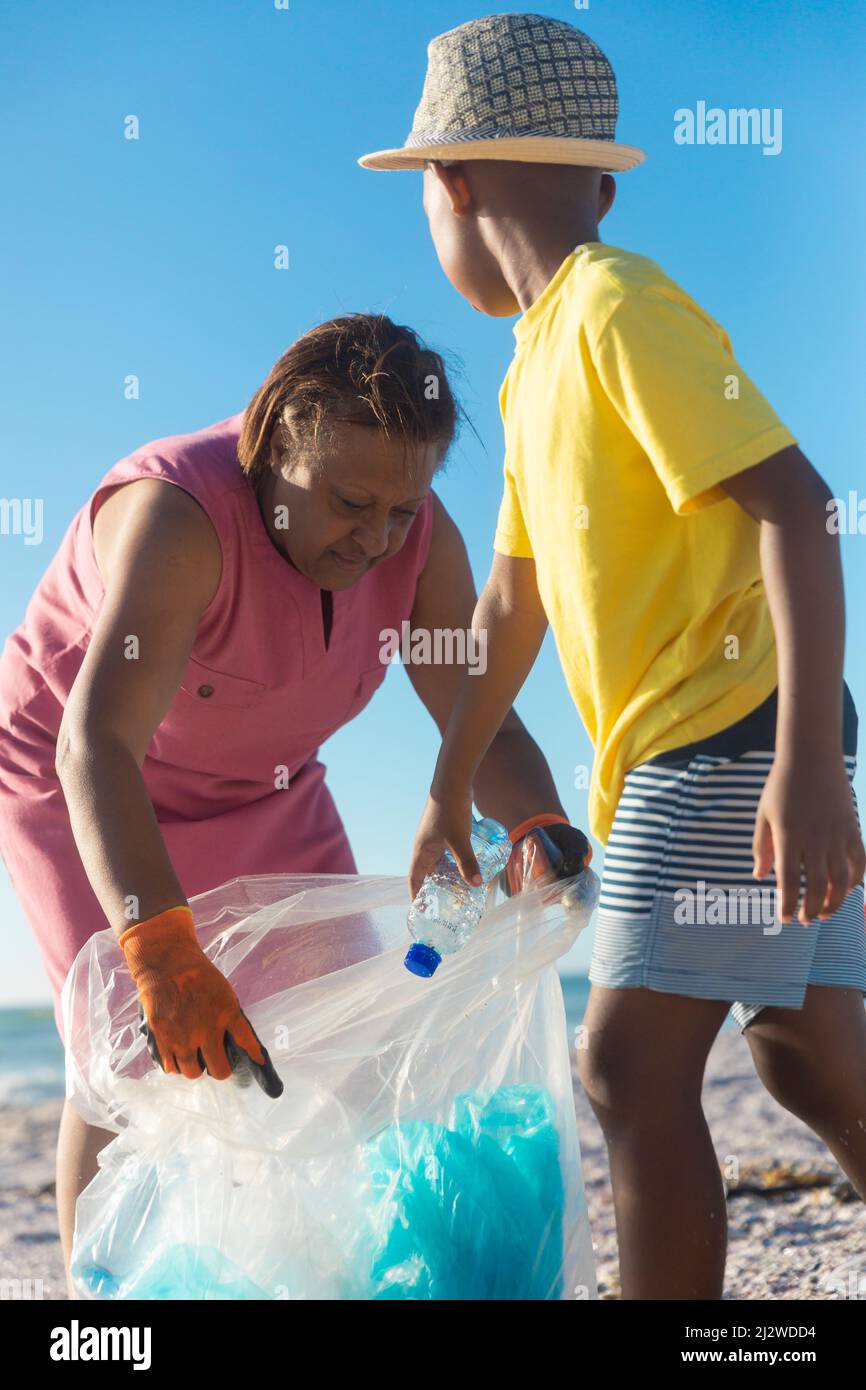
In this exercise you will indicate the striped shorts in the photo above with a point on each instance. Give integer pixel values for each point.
(680, 911)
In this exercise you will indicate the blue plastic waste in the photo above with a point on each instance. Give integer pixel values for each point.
(180, 1272)
(472, 1211)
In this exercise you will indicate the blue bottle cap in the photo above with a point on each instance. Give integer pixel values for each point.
(422, 960)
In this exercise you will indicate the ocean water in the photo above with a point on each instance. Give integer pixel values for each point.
(31, 1054)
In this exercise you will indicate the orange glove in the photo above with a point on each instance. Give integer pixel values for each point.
(192, 1013)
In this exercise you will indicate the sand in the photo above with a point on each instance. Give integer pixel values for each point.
(29, 1239)
(806, 1243)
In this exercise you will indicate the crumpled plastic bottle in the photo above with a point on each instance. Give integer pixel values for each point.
(580, 898)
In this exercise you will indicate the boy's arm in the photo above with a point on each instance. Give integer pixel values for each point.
(806, 812)
(510, 619)
(513, 781)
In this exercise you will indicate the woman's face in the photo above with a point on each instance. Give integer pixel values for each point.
(339, 509)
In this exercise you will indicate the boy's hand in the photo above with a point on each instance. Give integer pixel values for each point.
(576, 849)
(806, 813)
(445, 824)
(545, 855)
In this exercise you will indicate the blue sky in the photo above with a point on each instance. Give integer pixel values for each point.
(156, 257)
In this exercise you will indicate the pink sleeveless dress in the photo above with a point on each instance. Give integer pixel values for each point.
(261, 692)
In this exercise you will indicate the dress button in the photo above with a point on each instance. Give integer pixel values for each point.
(205, 691)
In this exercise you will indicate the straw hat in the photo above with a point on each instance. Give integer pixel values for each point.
(514, 86)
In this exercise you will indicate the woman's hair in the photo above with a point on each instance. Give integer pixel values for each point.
(360, 368)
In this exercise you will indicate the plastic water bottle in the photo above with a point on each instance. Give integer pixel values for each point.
(447, 910)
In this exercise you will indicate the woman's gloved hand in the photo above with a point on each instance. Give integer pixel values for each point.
(192, 1018)
(546, 848)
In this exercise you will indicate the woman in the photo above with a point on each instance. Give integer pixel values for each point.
(190, 647)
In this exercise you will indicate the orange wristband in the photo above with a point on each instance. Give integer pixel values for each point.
(533, 822)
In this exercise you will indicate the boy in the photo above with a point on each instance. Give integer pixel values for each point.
(661, 518)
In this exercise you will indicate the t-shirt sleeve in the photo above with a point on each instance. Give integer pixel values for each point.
(511, 537)
(677, 386)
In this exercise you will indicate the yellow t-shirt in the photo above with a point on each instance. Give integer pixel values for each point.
(624, 408)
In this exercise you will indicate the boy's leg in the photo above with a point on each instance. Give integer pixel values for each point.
(78, 1143)
(642, 1069)
(813, 1062)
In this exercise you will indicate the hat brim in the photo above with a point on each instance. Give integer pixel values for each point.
(527, 149)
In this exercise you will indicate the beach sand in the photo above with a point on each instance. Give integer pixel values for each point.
(29, 1239)
(806, 1243)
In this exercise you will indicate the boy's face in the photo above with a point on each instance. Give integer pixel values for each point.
(489, 218)
(463, 254)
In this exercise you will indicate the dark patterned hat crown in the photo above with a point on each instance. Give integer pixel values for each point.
(521, 78)
(515, 75)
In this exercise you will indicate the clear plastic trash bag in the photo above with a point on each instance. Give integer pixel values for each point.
(424, 1146)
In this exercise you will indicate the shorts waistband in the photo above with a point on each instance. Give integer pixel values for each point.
(756, 730)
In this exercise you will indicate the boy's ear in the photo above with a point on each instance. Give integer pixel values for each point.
(454, 184)
(606, 194)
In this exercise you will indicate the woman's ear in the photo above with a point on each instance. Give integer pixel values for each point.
(280, 442)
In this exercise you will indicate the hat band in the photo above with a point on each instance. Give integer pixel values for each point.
(420, 139)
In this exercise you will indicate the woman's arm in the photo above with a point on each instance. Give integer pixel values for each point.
(486, 749)
(160, 561)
